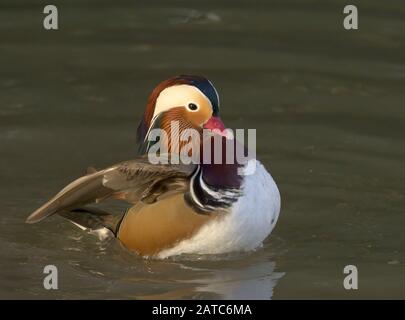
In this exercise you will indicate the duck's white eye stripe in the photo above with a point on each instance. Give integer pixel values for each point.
(177, 95)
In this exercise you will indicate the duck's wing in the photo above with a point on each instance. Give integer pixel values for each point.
(134, 181)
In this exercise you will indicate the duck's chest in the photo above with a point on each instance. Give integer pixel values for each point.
(250, 220)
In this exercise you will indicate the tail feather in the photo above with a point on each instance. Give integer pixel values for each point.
(93, 219)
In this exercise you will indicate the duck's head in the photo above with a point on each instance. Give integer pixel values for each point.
(191, 101)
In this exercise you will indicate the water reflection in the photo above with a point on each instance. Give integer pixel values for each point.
(235, 279)
(253, 282)
(256, 281)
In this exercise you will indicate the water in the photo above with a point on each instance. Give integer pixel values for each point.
(328, 106)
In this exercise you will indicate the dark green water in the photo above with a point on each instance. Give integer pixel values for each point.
(329, 109)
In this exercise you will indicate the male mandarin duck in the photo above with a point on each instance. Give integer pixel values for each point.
(194, 208)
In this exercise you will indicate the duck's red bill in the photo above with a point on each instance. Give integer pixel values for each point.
(215, 123)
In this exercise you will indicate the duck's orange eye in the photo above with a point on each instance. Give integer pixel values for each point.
(192, 106)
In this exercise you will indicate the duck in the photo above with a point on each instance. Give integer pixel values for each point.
(175, 207)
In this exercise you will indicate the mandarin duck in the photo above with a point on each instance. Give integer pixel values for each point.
(206, 207)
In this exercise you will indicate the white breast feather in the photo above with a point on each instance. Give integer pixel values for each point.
(250, 221)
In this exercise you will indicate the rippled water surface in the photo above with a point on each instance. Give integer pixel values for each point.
(328, 106)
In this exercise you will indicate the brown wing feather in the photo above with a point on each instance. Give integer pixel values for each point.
(133, 181)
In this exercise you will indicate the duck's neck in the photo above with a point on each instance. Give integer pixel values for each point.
(218, 163)
(213, 155)
(215, 186)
